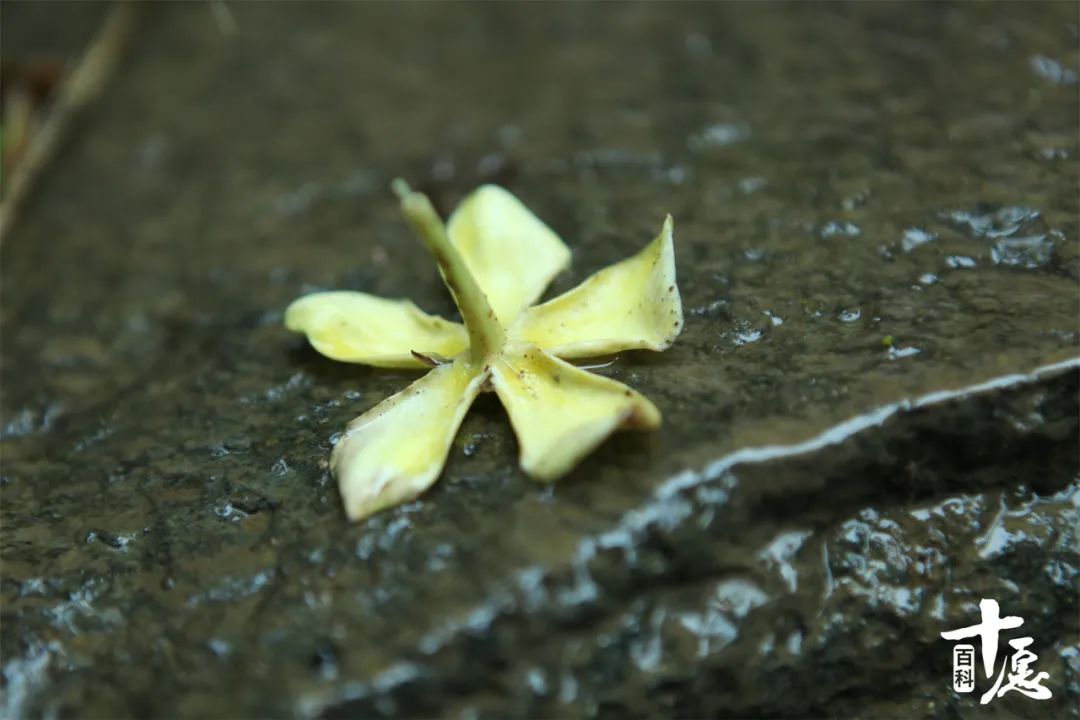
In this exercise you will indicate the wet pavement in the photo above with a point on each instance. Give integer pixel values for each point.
(870, 419)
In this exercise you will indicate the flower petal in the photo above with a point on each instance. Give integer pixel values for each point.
(510, 252)
(362, 328)
(633, 304)
(560, 412)
(396, 450)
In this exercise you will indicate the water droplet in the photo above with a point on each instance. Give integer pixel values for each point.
(1050, 69)
(677, 174)
(719, 135)
(1053, 153)
(536, 681)
(748, 185)
(1025, 252)
(859, 199)
(746, 337)
(219, 647)
(1002, 222)
(843, 229)
(914, 237)
(776, 319)
(896, 353)
(713, 309)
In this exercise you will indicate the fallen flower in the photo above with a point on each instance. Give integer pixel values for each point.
(496, 258)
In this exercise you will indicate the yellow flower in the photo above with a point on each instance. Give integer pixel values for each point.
(496, 258)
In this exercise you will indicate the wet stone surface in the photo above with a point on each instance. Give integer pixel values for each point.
(870, 417)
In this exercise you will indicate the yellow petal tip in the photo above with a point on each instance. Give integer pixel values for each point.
(631, 305)
(561, 413)
(357, 327)
(396, 450)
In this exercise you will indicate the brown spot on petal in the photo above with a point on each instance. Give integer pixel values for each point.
(425, 359)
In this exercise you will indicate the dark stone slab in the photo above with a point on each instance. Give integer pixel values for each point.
(55, 31)
(870, 418)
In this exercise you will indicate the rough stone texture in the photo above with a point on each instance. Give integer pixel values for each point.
(876, 227)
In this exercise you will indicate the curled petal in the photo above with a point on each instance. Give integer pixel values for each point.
(361, 328)
(510, 252)
(396, 450)
(633, 304)
(560, 412)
